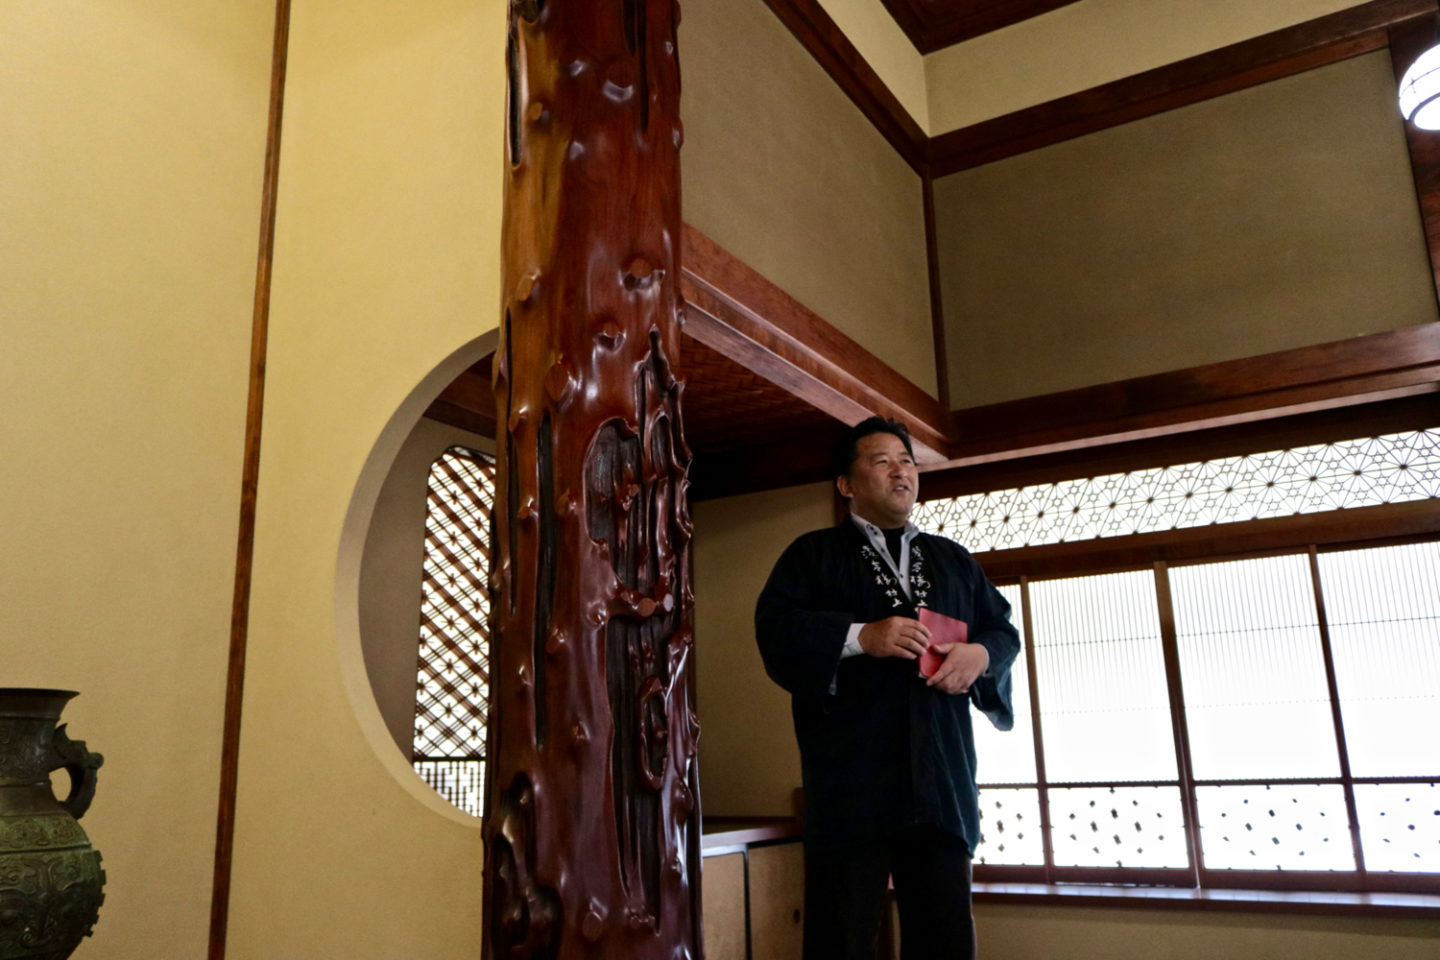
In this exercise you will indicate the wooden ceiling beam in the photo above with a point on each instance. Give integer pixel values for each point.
(734, 310)
(1353, 372)
(1315, 43)
(933, 26)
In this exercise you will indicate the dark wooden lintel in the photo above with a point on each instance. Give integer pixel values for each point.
(1351, 372)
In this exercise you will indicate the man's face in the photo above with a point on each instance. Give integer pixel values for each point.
(883, 481)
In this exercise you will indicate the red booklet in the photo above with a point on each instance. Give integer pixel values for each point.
(943, 630)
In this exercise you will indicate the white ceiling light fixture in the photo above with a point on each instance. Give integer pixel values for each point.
(1420, 91)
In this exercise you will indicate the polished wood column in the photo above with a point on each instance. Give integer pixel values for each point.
(592, 831)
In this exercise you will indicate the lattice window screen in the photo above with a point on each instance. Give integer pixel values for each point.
(1394, 468)
(454, 666)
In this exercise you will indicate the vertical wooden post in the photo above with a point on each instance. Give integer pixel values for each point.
(592, 836)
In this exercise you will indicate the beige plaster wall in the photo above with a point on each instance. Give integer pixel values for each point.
(1276, 217)
(749, 764)
(1085, 44)
(386, 273)
(1060, 933)
(391, 570)
(130, 178)
(879, 39)
(781, 169)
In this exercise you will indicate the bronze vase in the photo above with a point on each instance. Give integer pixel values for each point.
(50, 876)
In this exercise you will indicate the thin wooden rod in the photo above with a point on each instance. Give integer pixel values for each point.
(249, 485)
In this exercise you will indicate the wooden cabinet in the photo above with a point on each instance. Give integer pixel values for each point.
(777, 901)
(722, 892)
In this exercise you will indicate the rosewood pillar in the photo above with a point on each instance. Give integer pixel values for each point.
(592, 834)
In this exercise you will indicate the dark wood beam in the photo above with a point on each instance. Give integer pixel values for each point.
(769, 463)
(1315, 43)
(1346, 372)
(827, 43)
(937, 308)
(468, 403)
(732, 309)
(1281, 433)
(932, 25)
(1408, 40)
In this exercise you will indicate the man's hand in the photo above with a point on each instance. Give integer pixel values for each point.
(895, 637)
(964, 662)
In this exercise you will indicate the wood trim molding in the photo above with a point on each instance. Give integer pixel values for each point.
(827, 43)
(249, 485)
(1408, 40)
(733, 309)
(1281, 433)
(1315, 43)
(937, 306)
(1363, 369)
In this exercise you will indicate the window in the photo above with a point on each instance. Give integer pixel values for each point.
(1229, 722)
(454, 665)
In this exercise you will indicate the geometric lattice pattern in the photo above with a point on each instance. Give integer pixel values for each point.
(1275, 827)
(1394, 468)
(1399, 826)
(1010, 827)
(453, 686)
(1117, 827)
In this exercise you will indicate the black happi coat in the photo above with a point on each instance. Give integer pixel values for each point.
(883, 750)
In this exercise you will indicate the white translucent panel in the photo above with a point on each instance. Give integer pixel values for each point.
(1104, 703)
(1009, 757)
(1274, 827)
(1394, 468)
(1010, 827)
(1118, 827)
(1399, 826)
(1383, 606)
(1257, 704)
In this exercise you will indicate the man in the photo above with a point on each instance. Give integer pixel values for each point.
(887, 756)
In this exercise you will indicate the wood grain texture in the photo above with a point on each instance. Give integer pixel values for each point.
(732, 309)
(249, 486)
(592, 810)
(1346, 372)
(935, 24)
(1315, 43)
(827, 43)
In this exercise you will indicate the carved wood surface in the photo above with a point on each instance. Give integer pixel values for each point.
(592, 812)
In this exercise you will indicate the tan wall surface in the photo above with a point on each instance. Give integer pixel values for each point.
(749, 764)
(387, 268)
(1068, 933)
(782, 170)
(1276, 217)
(134, 136)
(888, 51)
(1085, 44)
(391, 571)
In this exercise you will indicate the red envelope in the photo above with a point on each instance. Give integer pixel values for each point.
(943, 630)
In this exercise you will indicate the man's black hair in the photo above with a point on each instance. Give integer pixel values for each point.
(849, 446)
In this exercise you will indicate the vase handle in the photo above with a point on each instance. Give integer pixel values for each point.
(81, 764)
